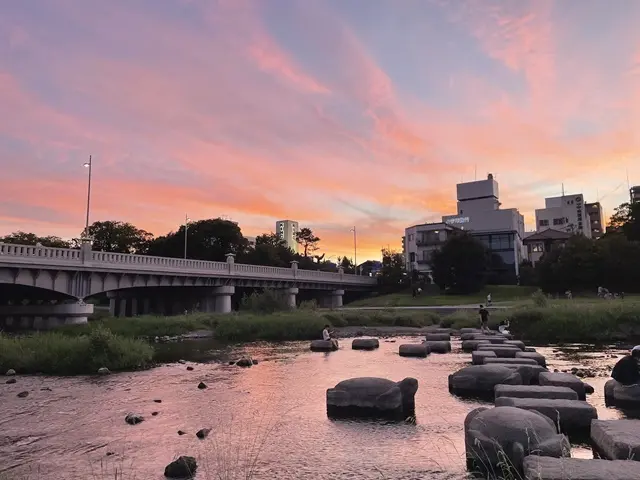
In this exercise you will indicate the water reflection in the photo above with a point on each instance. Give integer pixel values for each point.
(278, 405)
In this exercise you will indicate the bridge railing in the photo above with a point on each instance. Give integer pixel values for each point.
(33, 256)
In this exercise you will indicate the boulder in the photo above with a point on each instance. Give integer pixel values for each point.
(10, 373)
(202, 385)
(323, 346)
(560, 379)
(511, 361)
(183, 467)
(190, 368)
(438, 337)
(439, 346)
(413, 350)
(10, 381)
(478, 358)
(24, 394)
(534, 356)
(365, 344)
(133, 418)
(480, 380)
(245, 362)
(535, 391)
(516, 343)
(370, 396)
(622, 396)
(104, 371)
(573, 416)
(472, 345)
(203, 433)
(493, 433)
(502, 351)
(616, 439)
(546, 468)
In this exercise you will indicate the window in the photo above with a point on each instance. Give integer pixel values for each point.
(501, 242)
(537, 247)
(543, 223)
(412, 257)
(558, 221)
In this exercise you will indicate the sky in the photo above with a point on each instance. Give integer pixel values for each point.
(333, 113)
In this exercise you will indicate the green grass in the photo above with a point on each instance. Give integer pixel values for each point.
(499, 293)
(55, 353)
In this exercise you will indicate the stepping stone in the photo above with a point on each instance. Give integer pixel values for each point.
(323, 346)
(548, 468)
(515, 343)
(478, 358)
(530, 373)
(501, 351)
(365, 344)
(529, 349)
(470, 330)
(414, 350)
(472, 345)
(511, 361)
(560, 379)
(535, 356)
(468, 336)
(621, 396)
(438, 337)
(573, 416)
(493, 339)
(616, 439)
(480, 380)
(535, 391)
(439, 347)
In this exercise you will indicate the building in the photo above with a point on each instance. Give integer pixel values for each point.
(594, 214)
(287, 230)
(419, 243)
(500, 230)
(566, 213)
(634, 194)
(544, 241)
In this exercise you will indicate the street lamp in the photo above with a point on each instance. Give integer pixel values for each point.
(186, 226)
(355, 250)
(86, 227)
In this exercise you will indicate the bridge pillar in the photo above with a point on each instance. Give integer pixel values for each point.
(218, 300)
(290, 296)
(134, 306)
(122, 311)
(146, 306)
(332, 299)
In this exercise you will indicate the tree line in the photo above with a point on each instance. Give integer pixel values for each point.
(464, 265)
(210, 240)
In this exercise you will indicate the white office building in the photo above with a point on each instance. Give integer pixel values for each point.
(287, 230)
(567, 213)
(478, 212)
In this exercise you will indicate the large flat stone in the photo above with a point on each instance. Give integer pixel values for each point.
(616, 439)
(622, 396)
(530, 373)
(511, 361)
(414, 350)
(438, 337)
(563, 380)
(365, 343)
(535, 391)
(548, 468)
(533, 355)
(573, 416)
(472, 345)
(516, 343)
(323, 346)
(478, 358)
(480, 380)
(438, 346)
(502, 351)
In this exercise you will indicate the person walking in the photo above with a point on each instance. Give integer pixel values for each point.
(484, 319)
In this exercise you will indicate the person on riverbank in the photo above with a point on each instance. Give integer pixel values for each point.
(627, 370)
(484, 319)
(326, 336)
(489, 300)
(504, 327)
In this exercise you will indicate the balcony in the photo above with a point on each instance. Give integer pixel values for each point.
(428, 242)
(423, 261)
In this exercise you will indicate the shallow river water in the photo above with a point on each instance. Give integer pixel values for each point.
(270, 418)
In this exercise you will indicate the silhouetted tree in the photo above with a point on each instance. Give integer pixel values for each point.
(23, 238)
(307, 240)
(461, 265)
(626, 220)
(118, 237)
(392, 274)
(347, 265)
(270, 250)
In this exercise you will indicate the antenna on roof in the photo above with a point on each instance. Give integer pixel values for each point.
(629, 186)
(563, 189)
(475, 173)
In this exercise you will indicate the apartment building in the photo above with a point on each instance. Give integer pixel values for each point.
(567, 213)
(594, 214)
(634, 194)
(419, 243)
(287, 230)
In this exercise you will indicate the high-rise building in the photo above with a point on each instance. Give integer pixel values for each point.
(634, 194)
(287, 230)
(566, 213)
(594, 212)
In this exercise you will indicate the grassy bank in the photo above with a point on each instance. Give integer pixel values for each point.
(55, 353)
(499, 293)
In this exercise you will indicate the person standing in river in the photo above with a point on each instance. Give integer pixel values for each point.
(627, 370)
(484, 319)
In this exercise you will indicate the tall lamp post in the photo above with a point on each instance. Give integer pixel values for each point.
(186, 227)
(355, 250)
(86, 227)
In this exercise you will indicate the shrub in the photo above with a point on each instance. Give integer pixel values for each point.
(269, 301)
(54, 353)
(540, 299)
(269, 327)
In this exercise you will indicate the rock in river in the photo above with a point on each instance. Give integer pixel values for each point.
(480, 380)
(370, 396)
(104, 371)
(10, 373)
(11, 380)
(133, 418)
(245, 362)
(202, 385)
(23, 394)
(203, 433)
(183, 467)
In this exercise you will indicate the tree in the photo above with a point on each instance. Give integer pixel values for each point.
(209, 240)
(269, 250)
(347, 265)
(118, 237)
(308, 240)
(23, 238)
(626, 220)
(461, 265)
(392, 274)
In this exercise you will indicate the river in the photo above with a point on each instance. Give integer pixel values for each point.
(269, 418)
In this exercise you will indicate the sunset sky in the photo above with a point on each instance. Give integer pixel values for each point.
(333, 113)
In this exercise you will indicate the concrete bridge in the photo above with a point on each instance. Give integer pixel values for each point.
(41, 287)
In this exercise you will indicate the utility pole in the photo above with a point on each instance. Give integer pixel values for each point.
(186, 226)
(86, 226)
(355, 250)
